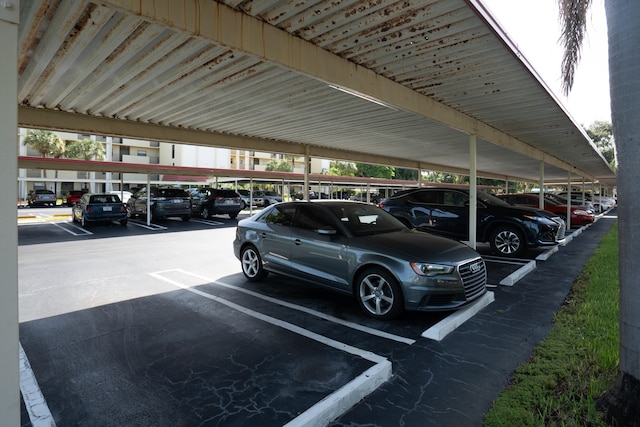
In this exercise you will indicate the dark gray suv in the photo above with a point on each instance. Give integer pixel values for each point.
(510, 230)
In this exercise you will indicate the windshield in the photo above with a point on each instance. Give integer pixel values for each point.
(362, 219)
(489, 199)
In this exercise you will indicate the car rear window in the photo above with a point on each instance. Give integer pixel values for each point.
(104, 198)
(172, 192)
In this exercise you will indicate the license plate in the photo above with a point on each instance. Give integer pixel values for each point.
(106, 208)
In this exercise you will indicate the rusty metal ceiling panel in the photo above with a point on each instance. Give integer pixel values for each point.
(95, 59)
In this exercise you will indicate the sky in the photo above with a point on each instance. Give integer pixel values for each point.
(533, 25)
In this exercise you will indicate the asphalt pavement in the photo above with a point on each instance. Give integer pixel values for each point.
(174, 344)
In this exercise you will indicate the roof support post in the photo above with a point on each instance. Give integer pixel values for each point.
(9, 350)
(473, 191)
(307, 166)
(541, 186)
(569, 202)
(148, 199)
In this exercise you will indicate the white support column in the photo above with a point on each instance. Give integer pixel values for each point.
(473, 191)
(569, 202)
(148, 199)
(541, 186)
(108, 185)
(307, 166)
(9, 365)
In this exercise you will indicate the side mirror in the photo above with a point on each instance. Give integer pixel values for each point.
(327, 231)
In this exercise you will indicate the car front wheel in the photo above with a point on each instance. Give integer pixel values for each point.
(507, 241)
(379, 294)
(205, 213)
(252, 264)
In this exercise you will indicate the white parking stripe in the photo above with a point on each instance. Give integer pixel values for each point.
(337, 402)
(39, 413)
(312, 312)
(148, 227)
(207, 222)
(73, 233)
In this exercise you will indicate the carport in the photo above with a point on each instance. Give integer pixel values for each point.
(433, 84)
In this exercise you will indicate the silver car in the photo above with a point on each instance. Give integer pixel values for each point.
(359, 249)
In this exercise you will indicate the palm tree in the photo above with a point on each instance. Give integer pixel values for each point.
(621, 403)
(46, 143)
(85, 149)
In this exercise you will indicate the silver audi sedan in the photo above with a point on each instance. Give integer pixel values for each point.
(359, 249)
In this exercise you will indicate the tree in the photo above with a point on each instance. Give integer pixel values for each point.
(46, 143)
(406, 174)
(374, 171)
(85, 149)
(279, 166)
(602, 135)
(342, 168)
(621, 402)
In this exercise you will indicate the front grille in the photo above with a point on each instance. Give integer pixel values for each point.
(474, 277)
(561, 230)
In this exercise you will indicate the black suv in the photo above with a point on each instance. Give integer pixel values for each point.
(510, 230)
(214, 201)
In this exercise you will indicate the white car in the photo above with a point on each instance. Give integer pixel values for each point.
(124, 195)
(269, 197)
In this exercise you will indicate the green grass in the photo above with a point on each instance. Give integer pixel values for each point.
(578, 360)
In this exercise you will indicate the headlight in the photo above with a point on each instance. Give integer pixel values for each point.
(540, 219)
(427, 269)
(580, 212)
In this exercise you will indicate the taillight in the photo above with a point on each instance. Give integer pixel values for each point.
(89, 208)
(123, 208)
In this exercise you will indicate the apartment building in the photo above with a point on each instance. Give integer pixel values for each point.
(135, 151)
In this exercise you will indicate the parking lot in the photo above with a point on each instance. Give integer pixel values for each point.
(156, 325)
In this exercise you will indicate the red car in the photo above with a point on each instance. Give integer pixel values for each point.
(580, 215)
(74, 196)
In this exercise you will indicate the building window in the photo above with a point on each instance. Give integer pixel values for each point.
(173, 151)
(142, 153)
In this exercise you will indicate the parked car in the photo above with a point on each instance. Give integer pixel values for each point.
(123, 194)
(99, 207)
(247, 198)
(42, 198)
(74, 196)
(207, 201)
(510, 230)
(269, 197)
(578, 198)
(359, 249)
(563, 200)
(579, 215)
(165, 202)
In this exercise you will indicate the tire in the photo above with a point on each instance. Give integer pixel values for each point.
(508, 241)
(265, 203)
(73, 217)
(186, 218)
(233, 215)
(123, 222)
(84, 222)
(252, 267)
(378, 294)
(205, 213)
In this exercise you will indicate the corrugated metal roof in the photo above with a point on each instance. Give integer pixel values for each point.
(213, 67)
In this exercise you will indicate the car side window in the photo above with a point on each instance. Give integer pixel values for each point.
(282, 215)
(454, 198)
(312, 219)
(427, 197)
